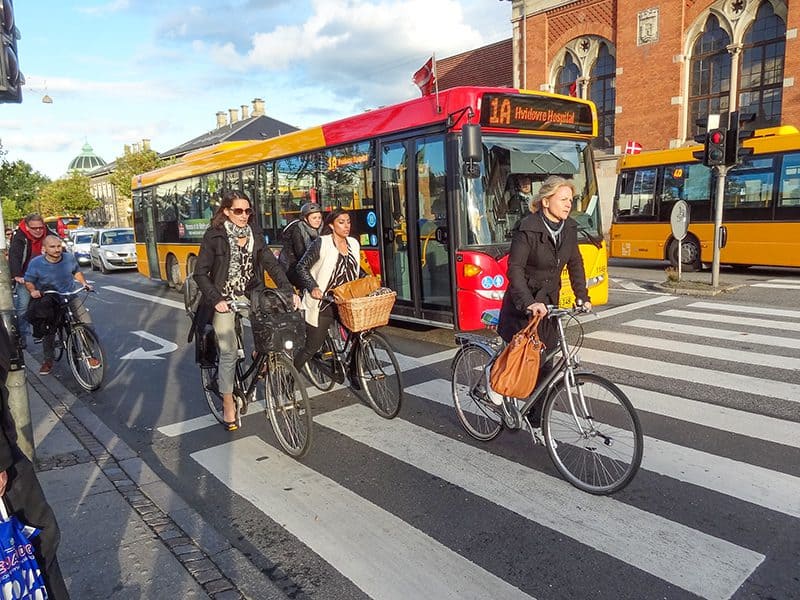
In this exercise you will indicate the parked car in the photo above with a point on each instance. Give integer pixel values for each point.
(79, 243)
(113, 249)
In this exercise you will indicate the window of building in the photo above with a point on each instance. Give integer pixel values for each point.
(710, 76)
(602, 92)
(567, 77)
(761, 81)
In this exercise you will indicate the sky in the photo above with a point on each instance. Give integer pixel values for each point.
(120, 71)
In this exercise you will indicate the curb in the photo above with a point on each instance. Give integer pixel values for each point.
(222, 570)
(688, 291)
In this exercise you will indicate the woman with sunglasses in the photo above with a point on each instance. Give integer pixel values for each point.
(230, 265)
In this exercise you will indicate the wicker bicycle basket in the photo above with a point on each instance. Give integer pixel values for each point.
(360, 314)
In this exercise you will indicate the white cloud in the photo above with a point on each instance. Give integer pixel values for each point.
(107, 8)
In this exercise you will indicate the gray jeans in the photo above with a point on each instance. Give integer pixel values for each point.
(225, 329)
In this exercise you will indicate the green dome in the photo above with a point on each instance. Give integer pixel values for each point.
(86, 161)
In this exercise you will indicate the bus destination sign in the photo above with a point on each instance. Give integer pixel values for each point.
(536, 113)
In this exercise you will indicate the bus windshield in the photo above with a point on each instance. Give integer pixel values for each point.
(512, 171)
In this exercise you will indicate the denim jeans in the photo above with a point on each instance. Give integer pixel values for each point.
(22, 297)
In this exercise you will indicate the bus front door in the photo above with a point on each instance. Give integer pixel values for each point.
(150, 234)
(415, 241)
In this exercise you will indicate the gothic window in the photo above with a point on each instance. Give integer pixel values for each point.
(710, 76)
(761, 81)
(602, 92)
(567, 77)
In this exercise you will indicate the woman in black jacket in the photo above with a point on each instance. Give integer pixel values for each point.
(543, 242)
(297, 237)
(231, 264)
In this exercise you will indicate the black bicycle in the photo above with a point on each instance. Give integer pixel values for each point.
(286, 401)
(365, 356)
(84, 352)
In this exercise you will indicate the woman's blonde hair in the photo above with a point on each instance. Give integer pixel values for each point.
(548, 188)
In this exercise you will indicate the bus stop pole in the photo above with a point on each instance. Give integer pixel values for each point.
(722, 172)
(16, 382)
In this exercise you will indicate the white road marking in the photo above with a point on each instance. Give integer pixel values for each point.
(613, 312)
(722, 334)
(748, 310)
(380, 553)
(687, 558)
(148, 297)
(689, 348)
(628, 285)
(780, 286)
(731, 319)
(140, 353)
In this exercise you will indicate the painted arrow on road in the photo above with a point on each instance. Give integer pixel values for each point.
(141, 353)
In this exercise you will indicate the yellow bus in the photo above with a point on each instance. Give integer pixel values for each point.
(761, 205)
(62, 224)
(436, 226)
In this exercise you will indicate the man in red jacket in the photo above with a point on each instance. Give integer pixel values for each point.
(26, 243)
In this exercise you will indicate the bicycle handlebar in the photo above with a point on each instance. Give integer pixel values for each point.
(71, 293)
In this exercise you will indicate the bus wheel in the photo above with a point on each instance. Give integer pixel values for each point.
(173, 272)
(690, 254)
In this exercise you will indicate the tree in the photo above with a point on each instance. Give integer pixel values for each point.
(129, 165)
(67, 196)
(19, 186)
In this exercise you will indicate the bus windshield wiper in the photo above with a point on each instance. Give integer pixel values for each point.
(597, 241)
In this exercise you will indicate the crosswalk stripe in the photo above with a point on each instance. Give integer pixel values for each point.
(412, 362)
(732, 319)
(790, 281)
(770, 489)
(380, 553)
(690, 559)
(740, 422)
(729, 381)
(749, 310)
(618, 310)
(721, 334)
(779, 286)
(680, 347)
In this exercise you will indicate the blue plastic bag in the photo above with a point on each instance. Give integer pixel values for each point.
(20, 576)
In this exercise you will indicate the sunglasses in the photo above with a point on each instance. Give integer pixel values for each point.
(36, 228)
(240, 211)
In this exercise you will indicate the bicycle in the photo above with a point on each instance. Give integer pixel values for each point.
(365, 355)
(589, 427)
(84, 351)
(287, 406)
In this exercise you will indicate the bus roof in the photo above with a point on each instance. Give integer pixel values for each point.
(771, 139)
(407, 115)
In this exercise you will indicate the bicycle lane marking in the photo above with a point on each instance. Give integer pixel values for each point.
(148, 297)
(685, 557)
(352, 534)
(771, 489)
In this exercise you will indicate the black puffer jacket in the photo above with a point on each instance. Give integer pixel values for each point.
(211, 272)
(534, 270)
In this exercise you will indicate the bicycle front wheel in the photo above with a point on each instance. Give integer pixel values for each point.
(598, 446)
(319, 368)
(379, 375)
(288, 406)
(474, 410)
(86, 358)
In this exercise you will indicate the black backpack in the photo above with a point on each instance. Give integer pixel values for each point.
(44, 315)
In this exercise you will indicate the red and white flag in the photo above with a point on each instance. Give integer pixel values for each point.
(425, 78)
(633, 147)
(573, 89)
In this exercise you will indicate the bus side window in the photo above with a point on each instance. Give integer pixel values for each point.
(790, 181)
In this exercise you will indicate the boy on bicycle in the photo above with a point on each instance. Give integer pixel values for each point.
(57, 271)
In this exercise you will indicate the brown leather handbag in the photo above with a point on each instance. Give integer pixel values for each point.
(515, 371)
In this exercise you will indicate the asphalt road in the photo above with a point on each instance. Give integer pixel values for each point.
(413, 508)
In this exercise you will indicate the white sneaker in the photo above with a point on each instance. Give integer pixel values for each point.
(497, 399)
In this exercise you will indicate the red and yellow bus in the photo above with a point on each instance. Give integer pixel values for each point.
(62, 224)
(436, 227)
(761, 209)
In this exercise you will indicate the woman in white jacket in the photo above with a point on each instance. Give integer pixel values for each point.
(333, 259)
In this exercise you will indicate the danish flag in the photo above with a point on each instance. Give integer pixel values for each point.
(633, 147)
(425, 78)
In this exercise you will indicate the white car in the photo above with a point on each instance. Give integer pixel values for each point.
(79, 243)
(113, 249)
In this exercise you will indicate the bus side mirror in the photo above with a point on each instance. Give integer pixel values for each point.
(471, 150)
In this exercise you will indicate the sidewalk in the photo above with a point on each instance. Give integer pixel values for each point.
(125, 534)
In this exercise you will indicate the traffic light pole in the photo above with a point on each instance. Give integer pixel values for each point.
(722, 173)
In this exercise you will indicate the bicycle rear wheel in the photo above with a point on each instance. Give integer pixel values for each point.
(379, 374)
(473, 409)
(288, 407)
(208, 378)
(598, 448)
(86, 358)
(319, 369)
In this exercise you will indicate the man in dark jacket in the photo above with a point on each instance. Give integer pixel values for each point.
(21, 490)
(26, 243)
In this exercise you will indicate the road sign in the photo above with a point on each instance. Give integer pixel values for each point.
(679, 219)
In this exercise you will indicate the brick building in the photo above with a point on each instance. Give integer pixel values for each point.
(655, 67)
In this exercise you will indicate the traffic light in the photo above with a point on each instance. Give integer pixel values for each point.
(736, 135)
(11, 79)
(715, 147)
